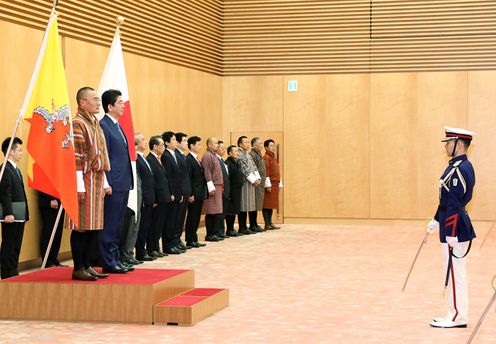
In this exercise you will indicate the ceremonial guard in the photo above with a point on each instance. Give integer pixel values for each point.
(455, 228)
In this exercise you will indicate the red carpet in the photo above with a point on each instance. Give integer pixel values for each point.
(191, 297)
(183, 301)
(64, 275)
(202, 292)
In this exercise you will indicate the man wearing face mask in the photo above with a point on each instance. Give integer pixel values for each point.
(455, 228)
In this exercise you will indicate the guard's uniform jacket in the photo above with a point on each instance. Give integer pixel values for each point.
(455, 191)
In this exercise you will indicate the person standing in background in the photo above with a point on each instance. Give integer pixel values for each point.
(11, 193)
(271, 184)
(49, 208)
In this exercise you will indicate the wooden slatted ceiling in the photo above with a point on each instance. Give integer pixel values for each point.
(252, 37)
(186, 33)
(348, 36)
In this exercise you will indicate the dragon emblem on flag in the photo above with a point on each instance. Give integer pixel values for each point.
(63, 114)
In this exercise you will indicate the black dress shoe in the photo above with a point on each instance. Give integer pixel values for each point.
(173, 250)
(146, 258)
(244, 231)
(180, 248)
(82, 275)
(254, 229)
(232, 233)
(273, 226)
(134, 261)
(212, 238)
(96, 274)
(218, 237)
(199, 244)
(190, 245)
(115, 270)
(125, 266)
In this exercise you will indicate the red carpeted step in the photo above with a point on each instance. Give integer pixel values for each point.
(51, 294)
(191, 307)
(64, 275)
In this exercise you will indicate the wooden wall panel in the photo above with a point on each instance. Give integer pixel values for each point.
(252, 104)
(482, 120)
(407, 115)
(326, 134)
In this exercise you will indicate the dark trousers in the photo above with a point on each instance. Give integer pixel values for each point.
(193, 220)
(81, 243)
(253, 218)
(267, 215)
(144, 226)
(221, 229)
(48, 217)
(230, 222)
(180, 216)
(110, 238)
(155, 229)
(242, 219)
(212, 223)
(169, 228)
(11, 248)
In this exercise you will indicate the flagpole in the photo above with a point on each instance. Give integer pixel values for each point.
(18, 122)
(22, 111)
(49, 247)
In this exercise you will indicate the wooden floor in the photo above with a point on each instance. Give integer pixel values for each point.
(307, 283)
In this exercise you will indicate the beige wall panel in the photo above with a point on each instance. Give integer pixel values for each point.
(326, 134)
(407, 115)
(482, 120)
(169, 97)
(253, 103)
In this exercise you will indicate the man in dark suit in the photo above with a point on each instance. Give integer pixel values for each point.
(198, 192)
(49, 208)
(119, 178)
(181, 151)
(12, 190)
(163, 196)
(170, 244)
(148, 196)
(226, 191)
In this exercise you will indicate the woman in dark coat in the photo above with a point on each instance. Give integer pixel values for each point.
(236, 178)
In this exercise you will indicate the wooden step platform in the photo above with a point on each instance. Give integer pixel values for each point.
(51, 294)
(191, 307)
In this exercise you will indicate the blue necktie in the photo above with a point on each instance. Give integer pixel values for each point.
(19, 173)
(121, 132)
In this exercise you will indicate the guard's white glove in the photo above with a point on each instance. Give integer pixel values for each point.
(451, 240)
(432, 226)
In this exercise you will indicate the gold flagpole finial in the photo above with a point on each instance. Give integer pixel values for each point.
(119, 20)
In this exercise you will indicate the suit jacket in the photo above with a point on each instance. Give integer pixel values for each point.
(120, 176)
(162, 190)
(225, 175)
(173, 174)
(12, 190)
(147, 180)
(197, 177)
(185, 179)
(45, 199)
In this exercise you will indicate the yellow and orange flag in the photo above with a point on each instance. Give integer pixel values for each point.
(52, 166)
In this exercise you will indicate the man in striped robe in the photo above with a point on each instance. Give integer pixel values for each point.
(91, 164)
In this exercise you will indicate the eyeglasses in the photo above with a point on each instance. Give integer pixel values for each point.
(96, 100)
